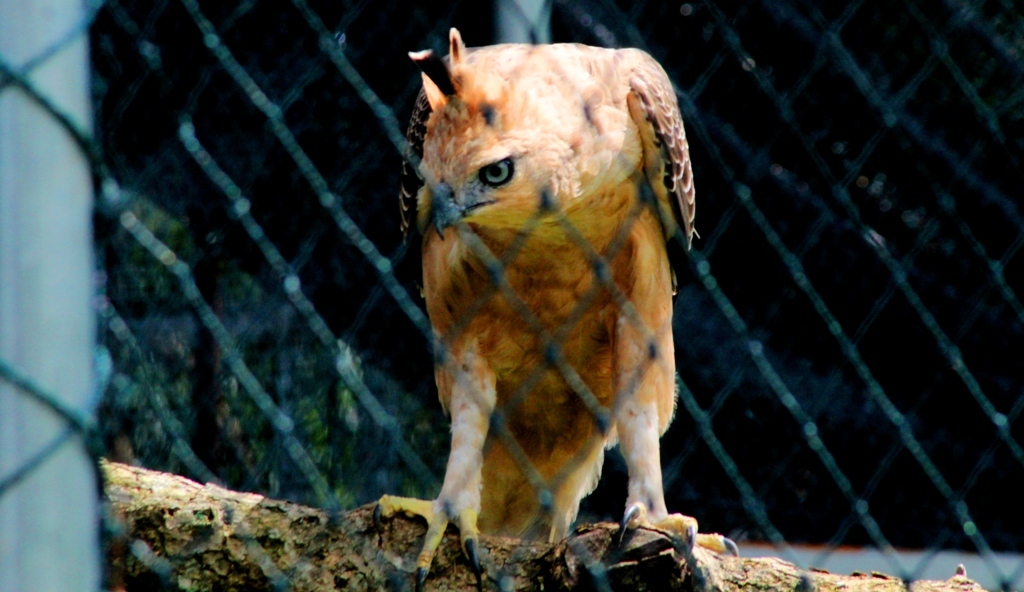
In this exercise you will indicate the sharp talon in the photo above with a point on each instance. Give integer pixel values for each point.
(631, 513)
(731, 546)
(691, 538)
(421, 578)
(474, 561)
(474, 558)
(376, 516)
(622, 530)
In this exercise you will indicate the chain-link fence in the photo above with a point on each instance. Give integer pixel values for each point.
(848, 329)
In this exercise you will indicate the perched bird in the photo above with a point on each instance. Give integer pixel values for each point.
(545, 183)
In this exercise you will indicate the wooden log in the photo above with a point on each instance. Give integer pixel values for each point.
(183, 535)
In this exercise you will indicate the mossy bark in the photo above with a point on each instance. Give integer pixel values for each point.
(181, 535)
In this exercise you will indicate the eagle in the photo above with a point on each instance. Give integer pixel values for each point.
(546, 183)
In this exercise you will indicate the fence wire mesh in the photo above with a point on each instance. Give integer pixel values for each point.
(848, 329)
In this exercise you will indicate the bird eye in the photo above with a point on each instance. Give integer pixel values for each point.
(497, 173)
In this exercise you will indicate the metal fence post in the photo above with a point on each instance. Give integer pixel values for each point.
(48, 517)
(522, 21)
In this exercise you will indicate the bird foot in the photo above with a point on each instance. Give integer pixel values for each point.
(676, 525)
(437, 522)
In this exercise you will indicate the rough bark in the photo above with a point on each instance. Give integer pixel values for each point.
(178, 534)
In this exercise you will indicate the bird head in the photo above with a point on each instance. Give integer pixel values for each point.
(491, 154)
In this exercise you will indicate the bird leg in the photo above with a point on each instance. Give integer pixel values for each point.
(472, 401)
(645, 393)
(645, 505)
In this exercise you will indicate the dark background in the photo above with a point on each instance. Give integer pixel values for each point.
(881, 142)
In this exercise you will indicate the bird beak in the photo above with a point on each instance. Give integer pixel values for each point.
(443, 209)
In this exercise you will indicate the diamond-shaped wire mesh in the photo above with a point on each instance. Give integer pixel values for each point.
(848, 327)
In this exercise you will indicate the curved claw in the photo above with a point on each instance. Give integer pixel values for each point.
(376, 516)
(691, 538)
(718, 544)
(633, 516)
(421, 578)
(474, 561)
(731, 546)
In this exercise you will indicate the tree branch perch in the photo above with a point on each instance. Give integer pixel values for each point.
(183, 535)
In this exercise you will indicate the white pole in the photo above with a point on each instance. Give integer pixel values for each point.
(522, 21)
(49, 519)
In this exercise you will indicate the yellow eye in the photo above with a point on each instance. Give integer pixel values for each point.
(497, 173)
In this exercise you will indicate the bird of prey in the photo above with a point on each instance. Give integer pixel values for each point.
(545, 183)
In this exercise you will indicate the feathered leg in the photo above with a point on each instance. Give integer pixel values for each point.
(472, 401)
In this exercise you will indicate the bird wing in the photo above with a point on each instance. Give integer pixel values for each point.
(653, 107)
(410, 181)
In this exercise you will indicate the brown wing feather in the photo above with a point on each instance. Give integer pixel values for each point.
(651, 86)
(411, 181)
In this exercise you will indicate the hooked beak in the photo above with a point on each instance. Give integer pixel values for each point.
(445, 211)
(443, 208)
